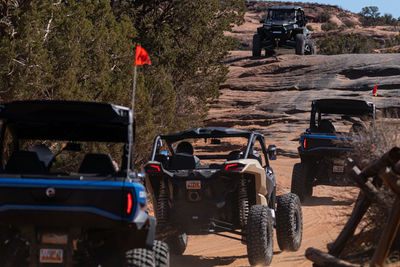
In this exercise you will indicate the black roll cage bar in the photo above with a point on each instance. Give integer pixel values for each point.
(250, 144)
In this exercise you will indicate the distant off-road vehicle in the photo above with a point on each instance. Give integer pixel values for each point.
(336, 127)
(63, 201)
(284, 26)
(228, 185)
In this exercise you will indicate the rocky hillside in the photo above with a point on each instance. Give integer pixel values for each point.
(346, 21)
(273, 95)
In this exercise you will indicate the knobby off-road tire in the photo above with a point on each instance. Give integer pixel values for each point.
(257, 45)
(161, 254)
(310, 48)
(289, 222)
(243, 203)
(313, 49)
(259, 235)
(139, 257)
(177, 243)
(301, 183)
(300, 44)
(162, 205)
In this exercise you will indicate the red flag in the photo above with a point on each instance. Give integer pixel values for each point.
(141, 57)
(375, 90)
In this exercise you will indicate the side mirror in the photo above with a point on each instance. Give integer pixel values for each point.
(262, 20)
(272, 152)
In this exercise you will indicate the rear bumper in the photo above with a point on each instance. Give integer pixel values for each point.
(324, 151)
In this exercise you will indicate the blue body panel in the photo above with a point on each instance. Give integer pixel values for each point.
(324, 137)
(138, 190)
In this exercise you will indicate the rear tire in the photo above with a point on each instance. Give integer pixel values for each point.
(260, 235)
(161, 254)
(310, 48)
(139, 257)
(289, 222)
(313, 49)
(256, 45)
(301, 184)
(300, 44)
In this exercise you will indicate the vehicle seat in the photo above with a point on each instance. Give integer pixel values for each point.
(24, 162)
(235, 155)
(326, 126)
(97, 163)
(182, 161)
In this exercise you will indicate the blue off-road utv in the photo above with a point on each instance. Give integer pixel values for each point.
(63, 200)
(338, 127)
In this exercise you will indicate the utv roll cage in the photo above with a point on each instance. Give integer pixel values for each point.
(214, 133)
(346, 107)
(69, 121)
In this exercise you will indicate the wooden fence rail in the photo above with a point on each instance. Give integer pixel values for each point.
(384, 170)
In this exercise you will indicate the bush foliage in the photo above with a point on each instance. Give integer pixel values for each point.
(346, 44)
(329, 26)
(84, 50)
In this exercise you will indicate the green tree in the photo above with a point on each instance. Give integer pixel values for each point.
(84, 50)
(186, 39)
(370, 15)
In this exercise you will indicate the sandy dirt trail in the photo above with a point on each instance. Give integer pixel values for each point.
(323, 217)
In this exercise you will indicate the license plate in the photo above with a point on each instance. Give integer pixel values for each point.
(338, 168)
(51, 255)
(193, 184)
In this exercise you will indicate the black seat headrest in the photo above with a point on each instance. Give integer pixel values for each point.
(235, 155)
(326, 126)
(182, 161)
(24, 162)
(101, 164)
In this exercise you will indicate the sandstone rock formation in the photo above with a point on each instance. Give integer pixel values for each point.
(273, 95)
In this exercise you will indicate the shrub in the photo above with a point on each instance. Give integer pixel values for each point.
(329, 26)
(346, 44)
(323, 17)
(349, 23)
(310, 28)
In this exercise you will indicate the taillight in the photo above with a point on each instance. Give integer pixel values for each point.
(129, 203)
(305, 143)
(234, 167)
(153, 168)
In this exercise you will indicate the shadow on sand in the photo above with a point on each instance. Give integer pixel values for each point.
(327, 201)
(197, 260)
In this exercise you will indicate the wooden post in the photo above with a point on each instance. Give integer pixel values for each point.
(366, 186)
(390, 158)
(388, 235)
(391, 180)
(359, 210)
(324, 259)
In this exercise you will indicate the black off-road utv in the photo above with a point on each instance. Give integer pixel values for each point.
(337, 127)
(63, 202)
(228, 185)
(284, 26)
